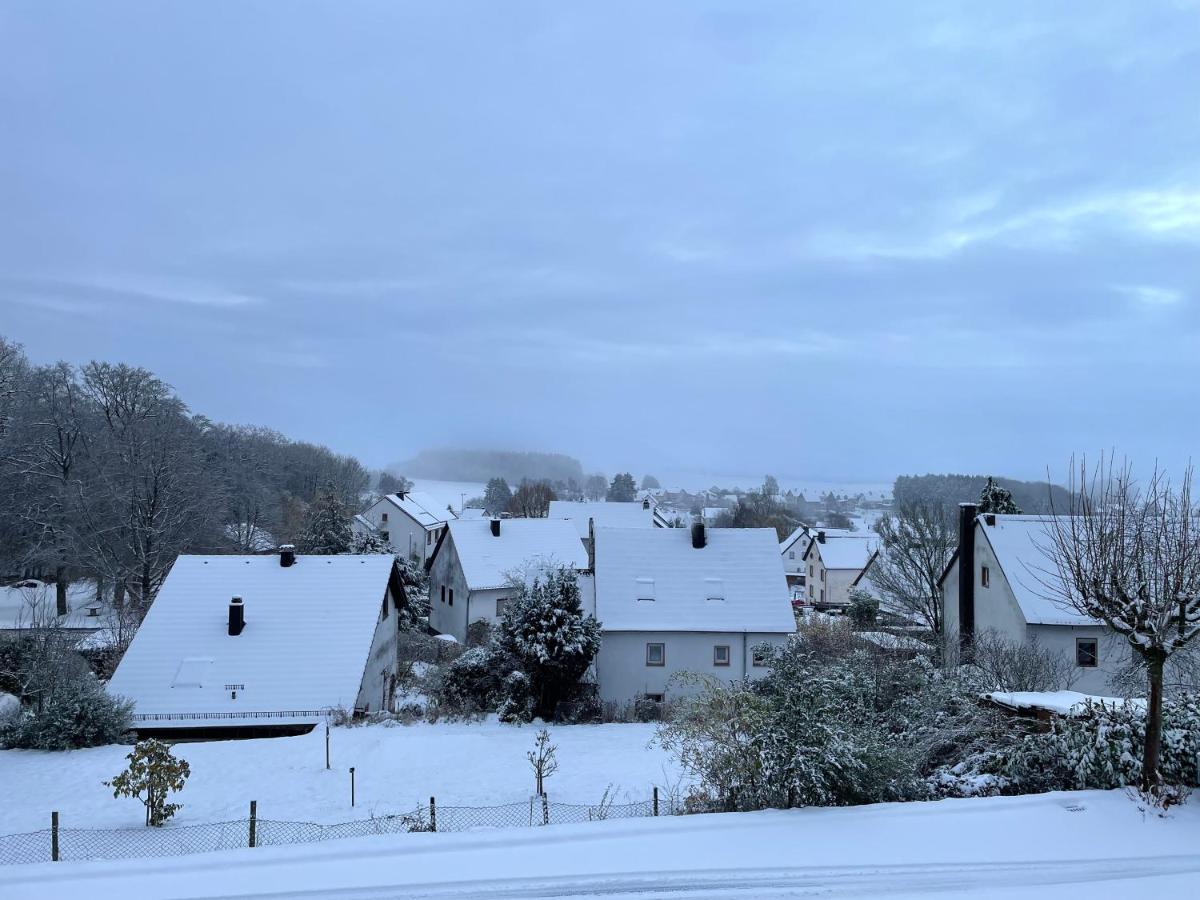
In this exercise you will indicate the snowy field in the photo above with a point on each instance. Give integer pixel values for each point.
(1092, 844)
(395, 769)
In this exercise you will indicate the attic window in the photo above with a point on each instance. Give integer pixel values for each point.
(192, 672)
(645, 589)
(714, 589)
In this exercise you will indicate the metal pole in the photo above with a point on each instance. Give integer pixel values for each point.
(326, 745)
(352, 785)
(253, 823)
(54, 836)
(656, 800)
(433, 814)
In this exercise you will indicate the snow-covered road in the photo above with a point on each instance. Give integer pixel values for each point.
(1041, 846)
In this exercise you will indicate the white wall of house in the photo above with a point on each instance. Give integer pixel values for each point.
(997, 609)
(379, 676)
(409, 538)
(623, 675)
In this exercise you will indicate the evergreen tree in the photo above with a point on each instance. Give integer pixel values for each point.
(552, 641)
(650, 483)
(623, 488)
(995, 499)
(366, 542)
(326, 525)
(497, 496)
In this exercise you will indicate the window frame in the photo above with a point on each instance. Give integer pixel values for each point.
(985, 576)
(757, 660)
(662, 654)
(501, 603)
(728, 656)
(1095, 653)
(451, 601)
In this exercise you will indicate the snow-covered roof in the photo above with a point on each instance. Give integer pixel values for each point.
(421, 507)
(1020, 544)
(657, 581)
(847, 550)
(489, 561)
(31, 607)
(1066, 703)
(605, 514)
(304, 648)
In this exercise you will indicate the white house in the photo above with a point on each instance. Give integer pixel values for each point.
(997, 581)
(472, 567)
(410, 521)
(263, 644)
(678, 599)
(832, 563)
(608, 514)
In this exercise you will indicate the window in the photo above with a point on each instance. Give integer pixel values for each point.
(443, 593)
(791, 554)
(656, 654)
(985, 576)
(810, 592)
(810, 572)
(451, 596)
(428, 538)
(501, 602)
(822, 595)
(714, 589)
(653, 698)
(1087, 653)
(822, 575)
(645, 589)
(721, 655)
(384, 518)
(759, 657)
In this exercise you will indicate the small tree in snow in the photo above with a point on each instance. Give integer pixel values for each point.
(1130, 557)
(995, 499)
(542, 760)
(863, 610)
(152, 774)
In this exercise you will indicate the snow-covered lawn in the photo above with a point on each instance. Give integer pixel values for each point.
(396, 768)
(1094, 844)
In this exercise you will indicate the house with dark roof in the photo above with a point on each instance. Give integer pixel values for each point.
(999, 581)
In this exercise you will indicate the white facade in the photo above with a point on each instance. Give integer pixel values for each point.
(667, 606)
(832, 563)
(1009, 602)
(411, 522)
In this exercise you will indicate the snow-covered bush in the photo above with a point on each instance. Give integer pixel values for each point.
(80, 714)
(546, 633)
(470, 685)
(826, 730)
(863, 609)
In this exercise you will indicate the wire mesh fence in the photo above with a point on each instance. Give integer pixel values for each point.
(76, 844)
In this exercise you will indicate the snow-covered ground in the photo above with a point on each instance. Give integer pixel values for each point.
(481, 764)
(1094, 844)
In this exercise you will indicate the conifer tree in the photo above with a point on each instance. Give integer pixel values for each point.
(326, 525)
(996, 499)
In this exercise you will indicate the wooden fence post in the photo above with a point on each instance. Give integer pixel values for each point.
(433, 814)
(352, 785)
(656, 800)
(54, 836)
(253, 823)
(326, 745)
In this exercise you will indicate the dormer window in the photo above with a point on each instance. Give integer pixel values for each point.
(645, 590)
(714, 589)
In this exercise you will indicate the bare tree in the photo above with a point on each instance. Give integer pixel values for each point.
(1009, 665)
(542, 760)
(1129, 556)
(531, 500)
(918, 541)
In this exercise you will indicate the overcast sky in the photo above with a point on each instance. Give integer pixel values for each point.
(826, 240)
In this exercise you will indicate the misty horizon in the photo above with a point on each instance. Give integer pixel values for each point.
(688, 240)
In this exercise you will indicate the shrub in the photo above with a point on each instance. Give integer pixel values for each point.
(470, 685)
(80, 714)
(152, 772)
(863, 610)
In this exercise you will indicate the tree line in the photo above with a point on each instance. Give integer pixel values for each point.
(107, 474)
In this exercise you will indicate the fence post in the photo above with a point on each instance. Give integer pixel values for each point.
(352, 785)
(326, 745)
(545, 810)
(253, 823)
(656, 800)
(433, 814)
(54, 836)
